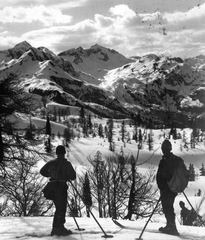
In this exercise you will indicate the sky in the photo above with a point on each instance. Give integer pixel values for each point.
(131, 27)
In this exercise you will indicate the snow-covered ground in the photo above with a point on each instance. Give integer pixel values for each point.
(31, 228)
(28, 228)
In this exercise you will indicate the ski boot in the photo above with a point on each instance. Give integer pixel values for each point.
(62, 231)
(169, 229)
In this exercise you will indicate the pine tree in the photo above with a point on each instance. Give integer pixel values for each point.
(192, 141)
(140, 138)
(192, 174)
(48, 145)
(100, 130)
(1, 146)
(184, 139)
(29, 135)
(48, 126)
(85, 127)
(150, 141)
(87, 199)
(44, 101)
(135, 135)
(90, 125)
(110, 133)
(82, 115)
(67, 135)
(106, 130)
(202, 170)
(123, 130)
(202, 124)
(138, 120)
(173, 132)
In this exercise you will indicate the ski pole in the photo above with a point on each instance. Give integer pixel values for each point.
(105, 234)
(140, 237)
(79, 229)
(202, 222)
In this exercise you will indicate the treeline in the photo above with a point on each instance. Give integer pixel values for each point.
(116, 184)
(118, 189)
(193, 174)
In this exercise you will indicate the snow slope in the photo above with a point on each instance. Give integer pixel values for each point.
(153, 80)
(29, 228)
(33, 228)
(148, 84)
(96, 60)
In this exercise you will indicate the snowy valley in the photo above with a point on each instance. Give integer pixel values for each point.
(77, 92)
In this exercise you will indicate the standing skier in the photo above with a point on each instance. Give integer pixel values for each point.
(59, 171)
(166, 170)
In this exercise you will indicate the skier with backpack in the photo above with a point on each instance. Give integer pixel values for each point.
(187, 216)
(59, 171)
(172, 178)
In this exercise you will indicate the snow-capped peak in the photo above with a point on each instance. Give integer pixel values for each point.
(24, 46)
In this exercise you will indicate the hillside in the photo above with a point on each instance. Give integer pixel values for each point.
(51, 76)
(106, 83)
(96, 60)
(30, 228)
(157, 83)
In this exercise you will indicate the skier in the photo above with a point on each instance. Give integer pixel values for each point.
(59, 171)
(187, 216)
(167, 167)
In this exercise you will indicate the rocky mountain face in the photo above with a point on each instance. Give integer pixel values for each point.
(160, 87)
(22, 50)
(108, 83)
(96, 61)
(43, 73)
(153, 82)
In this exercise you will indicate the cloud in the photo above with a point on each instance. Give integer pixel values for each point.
(103, 21)
(9, 41)
(124, 17)
(122, 10)
(126, 31)
(47, 16)
(60, 4)
(121, 28)
(192, 20)
(65, 4)
(59, 38)
(194, 14)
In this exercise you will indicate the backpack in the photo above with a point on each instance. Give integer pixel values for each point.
(180, 179)
(49, 191)
(192, 216)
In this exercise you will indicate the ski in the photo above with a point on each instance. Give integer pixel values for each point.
(122, 226)
(151, 231)
(42, 235)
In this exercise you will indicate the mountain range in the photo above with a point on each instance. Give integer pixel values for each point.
(110, 84)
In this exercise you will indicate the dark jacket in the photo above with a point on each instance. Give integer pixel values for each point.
(58, 169)
(166, 169)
